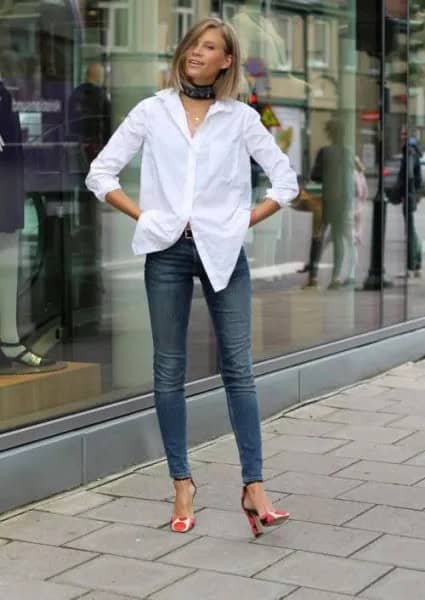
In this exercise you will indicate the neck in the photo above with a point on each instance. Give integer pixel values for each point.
(199, 92)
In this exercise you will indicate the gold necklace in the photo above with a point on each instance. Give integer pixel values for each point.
(192, 116)
(196, 118)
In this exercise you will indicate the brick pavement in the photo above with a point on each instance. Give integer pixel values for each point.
(349, 467)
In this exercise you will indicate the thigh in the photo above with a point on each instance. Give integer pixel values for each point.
(230, 311)
(169, 288)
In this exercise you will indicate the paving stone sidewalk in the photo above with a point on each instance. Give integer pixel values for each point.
(350, 468)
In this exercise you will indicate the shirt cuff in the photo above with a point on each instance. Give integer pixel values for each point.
(283, 198)
(100, 191)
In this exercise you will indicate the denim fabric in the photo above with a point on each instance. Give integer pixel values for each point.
(169, 284)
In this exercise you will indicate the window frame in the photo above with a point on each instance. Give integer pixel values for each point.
(111, 9)
(187, 14)
(289, 39)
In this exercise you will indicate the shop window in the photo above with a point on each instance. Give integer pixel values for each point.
(117, 20)
(320, 49)
(185, 16)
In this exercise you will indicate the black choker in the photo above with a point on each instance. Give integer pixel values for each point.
(199, 92)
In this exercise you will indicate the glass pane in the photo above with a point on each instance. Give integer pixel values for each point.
(416, 133)
(121, 27)
(320, 50)
(72, 289)
(310, 263)
(395, 216)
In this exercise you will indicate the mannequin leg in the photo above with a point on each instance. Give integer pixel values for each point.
(10, 346)
(9, 286)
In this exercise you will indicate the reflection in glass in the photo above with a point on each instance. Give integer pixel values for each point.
(15, 356)
(70, 73)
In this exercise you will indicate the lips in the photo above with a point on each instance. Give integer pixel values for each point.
(194, 63)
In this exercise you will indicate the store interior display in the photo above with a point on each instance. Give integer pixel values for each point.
(14, 354)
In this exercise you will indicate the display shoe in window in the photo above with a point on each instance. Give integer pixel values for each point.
(18, 354)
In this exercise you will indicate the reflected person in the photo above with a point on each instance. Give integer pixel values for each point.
(410, 170)
(334, 169)
(195, 211)
(89, 124)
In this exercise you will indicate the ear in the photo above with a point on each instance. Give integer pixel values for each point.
(228, 59)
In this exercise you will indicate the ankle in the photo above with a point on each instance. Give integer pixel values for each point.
(183, 482)
(183, 486)
(253, 487)
(11, 350)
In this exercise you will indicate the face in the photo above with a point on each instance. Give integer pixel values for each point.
(205, 59)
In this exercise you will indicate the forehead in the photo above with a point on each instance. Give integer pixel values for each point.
(212, 35)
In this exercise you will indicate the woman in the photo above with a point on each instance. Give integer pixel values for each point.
(361, 192)
(193, 216)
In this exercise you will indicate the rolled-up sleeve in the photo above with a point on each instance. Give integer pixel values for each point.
(127, 140)
(263, 148)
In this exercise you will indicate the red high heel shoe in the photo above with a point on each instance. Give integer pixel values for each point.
(268, 519)
(183, 524)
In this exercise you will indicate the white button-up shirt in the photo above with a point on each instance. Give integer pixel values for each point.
(204, 180)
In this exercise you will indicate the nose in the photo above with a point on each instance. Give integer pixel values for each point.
(196, 49)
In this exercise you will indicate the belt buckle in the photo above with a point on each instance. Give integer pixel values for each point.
(188, 234)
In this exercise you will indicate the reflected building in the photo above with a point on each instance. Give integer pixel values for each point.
(72, 70)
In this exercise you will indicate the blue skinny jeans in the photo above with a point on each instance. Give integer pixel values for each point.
(169, 276)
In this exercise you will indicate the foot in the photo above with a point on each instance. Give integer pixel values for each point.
(305, 269)
(18, 353)
(182, 519)
(185, 492)
(312, 282)
(256, 498)
(335, 284)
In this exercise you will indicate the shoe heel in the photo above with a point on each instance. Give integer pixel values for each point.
(254, 523)
(252, 516)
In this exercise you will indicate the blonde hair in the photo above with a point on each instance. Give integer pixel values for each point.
(227, 83)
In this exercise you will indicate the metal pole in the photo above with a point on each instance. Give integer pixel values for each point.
(376, 279)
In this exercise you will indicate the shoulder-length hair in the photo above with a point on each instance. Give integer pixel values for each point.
(227, 83)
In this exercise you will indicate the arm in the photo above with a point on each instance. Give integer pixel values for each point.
(262, 147)
(119, 199)
(103, 178)
(262, 211)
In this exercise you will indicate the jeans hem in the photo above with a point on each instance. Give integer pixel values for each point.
(247, 480)
(180, 475)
